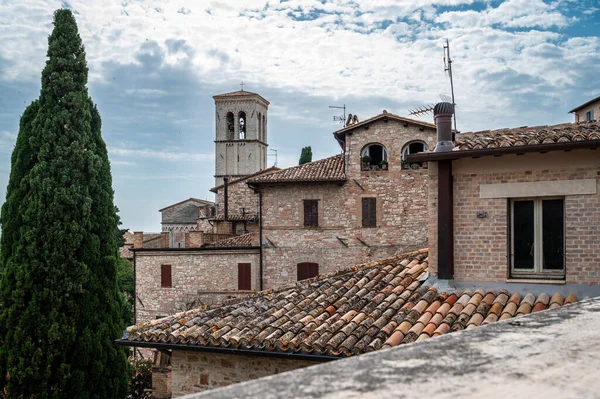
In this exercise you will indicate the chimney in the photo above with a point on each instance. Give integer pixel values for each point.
(138, 239)
(442, 113)
(226, 198)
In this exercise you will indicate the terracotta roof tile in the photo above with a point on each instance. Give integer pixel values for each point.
(328, 169)
(522, 136)
(243, 240)
(342, 314)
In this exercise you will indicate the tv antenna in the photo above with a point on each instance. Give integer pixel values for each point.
(447, 68)
(337, 118)
(273, 155)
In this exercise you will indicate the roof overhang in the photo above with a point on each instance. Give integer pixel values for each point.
(197, 249)
(271, 183)
(498, 151)
(584, 105)
(230, 350)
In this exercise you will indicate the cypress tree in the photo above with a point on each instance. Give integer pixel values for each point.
(305, 155)
(59, 306)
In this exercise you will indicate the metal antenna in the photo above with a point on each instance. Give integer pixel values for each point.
(448, 68)
(340, 118)
(273, 155)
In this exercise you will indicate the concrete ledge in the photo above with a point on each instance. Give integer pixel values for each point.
(538, 189)
(549, 354)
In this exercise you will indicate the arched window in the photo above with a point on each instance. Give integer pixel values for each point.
(260, 127)
(264, 128)
(242, 122)
(230, 126)
(374, 156)
(410, 148)
(307, 270)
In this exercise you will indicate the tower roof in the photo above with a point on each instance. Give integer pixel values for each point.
(239, 93)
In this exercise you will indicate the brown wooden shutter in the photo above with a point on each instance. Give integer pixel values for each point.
(311, 213)
(244, 276)
(165, 276)
(369, 212)
(307, 270)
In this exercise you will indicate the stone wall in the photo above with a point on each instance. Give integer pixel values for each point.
(240, 196)
(480, 244)
(340, 241)
(202, 277)
(580, 115)
(200, 371)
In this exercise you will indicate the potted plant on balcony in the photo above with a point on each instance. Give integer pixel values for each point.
(365, 162)
(383, 165)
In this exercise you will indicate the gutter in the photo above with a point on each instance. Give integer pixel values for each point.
(229, 350)
(452, 155)
(191, 249)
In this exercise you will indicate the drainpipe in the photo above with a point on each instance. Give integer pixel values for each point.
(226, 198)
(443, 118)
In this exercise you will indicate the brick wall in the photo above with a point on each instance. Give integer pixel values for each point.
(340, 241)
(209, 275)
(199, 371)
(480, 245)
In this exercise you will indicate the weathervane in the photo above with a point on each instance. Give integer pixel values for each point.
(447, 68)
(340, 118)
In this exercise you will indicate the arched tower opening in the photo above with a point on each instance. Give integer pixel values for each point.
(242, 125)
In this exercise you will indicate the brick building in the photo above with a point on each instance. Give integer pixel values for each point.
(516, 206)
(363, 204)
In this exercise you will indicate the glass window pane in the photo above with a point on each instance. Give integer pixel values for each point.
(523, 235)
(553, 234)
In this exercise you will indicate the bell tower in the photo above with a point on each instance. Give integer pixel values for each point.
(241, 134)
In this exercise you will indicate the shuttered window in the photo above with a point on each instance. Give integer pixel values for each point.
(244, 279)
(311, 213)
(307, 270)
(165, 276)
(369, 212)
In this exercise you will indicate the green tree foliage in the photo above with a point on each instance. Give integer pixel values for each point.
(59, 303)
(305, 155)
(125, 287)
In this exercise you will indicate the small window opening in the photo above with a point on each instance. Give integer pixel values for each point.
(307, 270)
(242, 122)
(230, 126)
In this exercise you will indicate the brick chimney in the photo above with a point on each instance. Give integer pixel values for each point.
(138, 239)
(442, 113)
(194, 239)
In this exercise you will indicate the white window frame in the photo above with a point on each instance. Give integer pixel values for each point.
(538, 257)
(406, 149)
(365, 151)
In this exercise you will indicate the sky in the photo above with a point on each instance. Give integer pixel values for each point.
(155, 65)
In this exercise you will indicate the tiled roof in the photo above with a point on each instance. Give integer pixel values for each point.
(240, 93)
(328, 169)
(365, 308)
(521, 136)
(197, 201)
(233, 181)
(235, 217)
(243, 240)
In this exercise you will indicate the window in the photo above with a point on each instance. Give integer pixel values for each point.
(374, 156)
(307, 270)
(244, 277)
(311, 213)
(589, 116)
(165, 276)
(230, 126)
(242, 126)
(538, 238)
(369, 212)
(413, 147)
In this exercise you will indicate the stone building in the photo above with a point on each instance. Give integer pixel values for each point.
(241, 134)
(588, 111)
(516, 206)
(189, 215)
(363, 204)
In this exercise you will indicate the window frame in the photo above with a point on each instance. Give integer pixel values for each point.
(306, 273)
(589, 115)
(166, 277)
(316, 219)
(538, 271)
(374, 209)
(366, 152)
